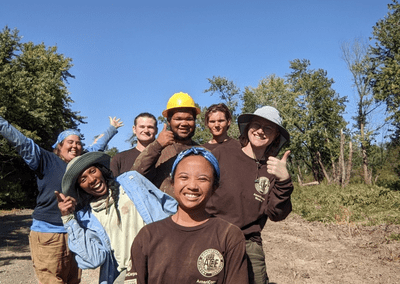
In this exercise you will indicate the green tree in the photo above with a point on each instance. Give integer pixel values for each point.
(316, 117)
(385, 57)
(35, 99)
(358, 62)
(202, 134)
(227, 91)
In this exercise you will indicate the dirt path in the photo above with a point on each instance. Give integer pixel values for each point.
(297, 251)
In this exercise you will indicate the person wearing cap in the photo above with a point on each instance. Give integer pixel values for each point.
(145, 131)
(191, 246)
(156, 160)
(110, 212)
(218, 120)
(255, 184)
(51, 257)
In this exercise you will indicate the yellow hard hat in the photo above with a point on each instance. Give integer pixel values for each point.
(180, 100)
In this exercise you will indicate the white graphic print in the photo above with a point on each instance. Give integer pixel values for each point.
(210, 263)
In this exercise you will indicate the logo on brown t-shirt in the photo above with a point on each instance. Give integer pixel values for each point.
(210, 262)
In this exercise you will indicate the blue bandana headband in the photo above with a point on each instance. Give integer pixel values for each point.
(197, 151)
(65, 134)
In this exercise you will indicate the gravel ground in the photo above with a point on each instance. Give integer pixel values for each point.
(296, 251)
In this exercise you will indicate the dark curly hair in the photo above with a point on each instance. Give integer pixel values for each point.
(85, 198)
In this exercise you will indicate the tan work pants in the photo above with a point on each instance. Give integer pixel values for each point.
(52, 259)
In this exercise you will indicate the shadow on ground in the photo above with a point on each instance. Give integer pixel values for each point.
(14, 231)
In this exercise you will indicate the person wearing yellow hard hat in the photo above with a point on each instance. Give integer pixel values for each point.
(155, 162)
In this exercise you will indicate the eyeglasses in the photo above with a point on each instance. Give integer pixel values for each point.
(267, 129)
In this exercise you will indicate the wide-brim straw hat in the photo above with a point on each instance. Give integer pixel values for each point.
(79, 164)
(268, 113)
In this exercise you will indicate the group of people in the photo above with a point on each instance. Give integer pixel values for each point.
(168, 210)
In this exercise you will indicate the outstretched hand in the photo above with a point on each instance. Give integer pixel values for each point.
(65, 204)
(166, 137)
(117, 123)
(278, 168)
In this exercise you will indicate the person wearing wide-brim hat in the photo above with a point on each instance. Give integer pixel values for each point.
(102, 215)
(255, 184)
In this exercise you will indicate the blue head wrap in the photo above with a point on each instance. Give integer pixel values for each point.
(197, 151)
(65, 134)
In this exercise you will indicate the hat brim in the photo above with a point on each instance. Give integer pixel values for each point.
(165, 112)
(245, 118)
(82, 163)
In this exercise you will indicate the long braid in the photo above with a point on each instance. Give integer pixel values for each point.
(113, 186)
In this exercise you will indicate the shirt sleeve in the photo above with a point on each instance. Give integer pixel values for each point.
(137, 270)
(85, 243)
(236, 260)
(145, 163)
(102, 142)
(115, 165)
(26, 148)
(279, 204)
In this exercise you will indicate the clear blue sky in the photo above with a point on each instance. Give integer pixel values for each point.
(131, 56)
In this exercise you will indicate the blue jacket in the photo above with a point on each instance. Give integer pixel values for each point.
(90, 242)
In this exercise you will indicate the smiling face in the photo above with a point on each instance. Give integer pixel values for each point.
(145, 130)
(193, 183)
(70, 148)
(92, 181)
(183, 124)
(218, 124)
(262, 133)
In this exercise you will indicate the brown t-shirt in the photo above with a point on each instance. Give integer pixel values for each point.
(241, 200)
(165, 252)
(155, 163)
(123, 162)
(211, 147)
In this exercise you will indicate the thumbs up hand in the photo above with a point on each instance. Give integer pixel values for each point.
(278, 168)
(166, 137)
(65, 204)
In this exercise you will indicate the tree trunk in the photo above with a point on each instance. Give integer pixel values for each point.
(349, 163)
(341, 160)
(323, 168)
(367, 175)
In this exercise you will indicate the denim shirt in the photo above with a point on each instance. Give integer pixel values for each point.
(90, 242)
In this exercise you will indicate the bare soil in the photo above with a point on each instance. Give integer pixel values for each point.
(296, 251)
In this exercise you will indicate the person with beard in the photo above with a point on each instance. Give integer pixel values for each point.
(144, 130)
(155, 162)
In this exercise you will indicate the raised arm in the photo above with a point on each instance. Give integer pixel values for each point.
(102, 140)
(279, 204)
(145, 163)
(26, 148)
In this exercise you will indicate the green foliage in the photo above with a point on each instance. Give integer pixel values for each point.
(385, 57)
(394, 237)
(227, 92)
(112, 152)
(202, 134)
(356, 203)
(33, 92)
(17, 183)
(34, 98)
(316, 117)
